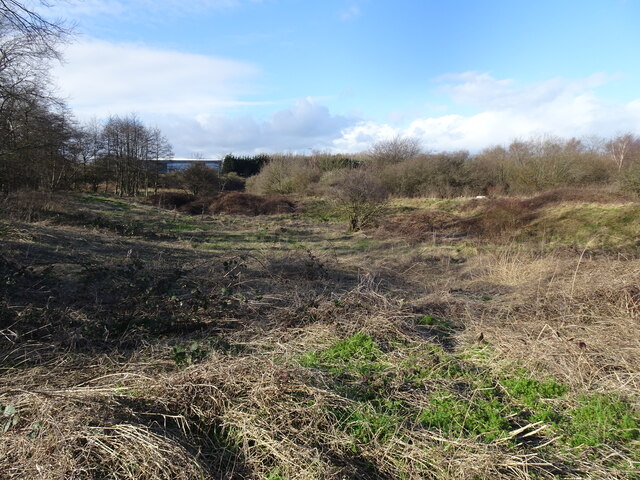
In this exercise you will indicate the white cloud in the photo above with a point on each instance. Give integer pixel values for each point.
(303, 126)
(561, 107)
(200, 103)
(102, 78)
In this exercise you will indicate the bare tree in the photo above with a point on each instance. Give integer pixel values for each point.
(159, 148)
(396, 150)
(130, 154)
(32, 120)
(620, 148)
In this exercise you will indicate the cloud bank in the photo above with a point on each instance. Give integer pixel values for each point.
(205, 104)
(562, 107)
(102, 78)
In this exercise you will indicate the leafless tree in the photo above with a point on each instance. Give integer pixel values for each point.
(396, 150)
(621, 148)
(130, 154)
(32, 120)
(363, 196)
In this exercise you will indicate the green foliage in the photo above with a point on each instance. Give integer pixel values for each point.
(531, 391)
(479, 416)
(357, 354)
(9, 417)
(189, 354)
(602, 419)
(244, 166)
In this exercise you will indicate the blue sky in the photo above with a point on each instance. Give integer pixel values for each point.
(245, 76)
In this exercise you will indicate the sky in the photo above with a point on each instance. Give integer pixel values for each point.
(249, 76)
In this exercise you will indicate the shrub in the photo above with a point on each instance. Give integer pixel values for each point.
(630, 179)
(362, 196)
(285, 174)
(247, 204)
(172, 200)
(232, 182)
(199, 179)
(396, 150)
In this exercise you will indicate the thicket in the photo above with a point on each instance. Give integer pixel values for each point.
(520, 168)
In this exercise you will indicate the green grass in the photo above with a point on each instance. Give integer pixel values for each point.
(323, 211)
(362, 245)
(597, 225)
(357, 354)
(602, 420)
(109, 201)
(366, 424)
(432, 321)
(530, 391)
(482, 417)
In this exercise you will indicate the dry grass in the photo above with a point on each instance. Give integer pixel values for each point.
(281, 362)
(570, 314)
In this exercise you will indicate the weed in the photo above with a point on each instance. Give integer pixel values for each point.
(276, 474)
(602, 419)
(431, 321)
(357, 354)
(189, 354)
(483, 417)
(10, 417)
(531, 391)
(366, 424)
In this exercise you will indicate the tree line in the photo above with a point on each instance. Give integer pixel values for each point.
(42, 145)
(401, 167)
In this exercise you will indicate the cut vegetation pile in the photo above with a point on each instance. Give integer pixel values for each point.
(181, 347)
(232, 203)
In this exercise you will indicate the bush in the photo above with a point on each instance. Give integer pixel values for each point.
(362, 196)
(630, 179)
(232, 182)
(172, 200)
(328, 162)
(199, 179)
(285, 174)
(396, 150)
(28, 205)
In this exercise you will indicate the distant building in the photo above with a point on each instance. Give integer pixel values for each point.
(166, 165)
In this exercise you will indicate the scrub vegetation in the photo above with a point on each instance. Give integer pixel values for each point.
(440, 341)
(394, 314)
